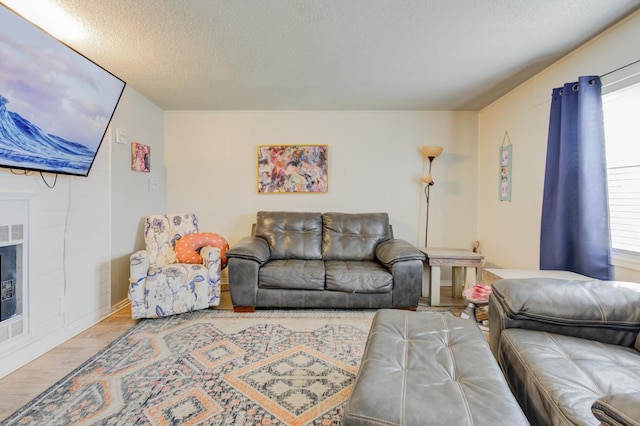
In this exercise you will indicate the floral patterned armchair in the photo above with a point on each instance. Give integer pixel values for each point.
(160, 286)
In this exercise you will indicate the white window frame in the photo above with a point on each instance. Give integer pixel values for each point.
(618, 80)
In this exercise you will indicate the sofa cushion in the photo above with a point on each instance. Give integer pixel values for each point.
(559, 377)
(292, 274)
(353, 236)
(291, 235)
(357, 277)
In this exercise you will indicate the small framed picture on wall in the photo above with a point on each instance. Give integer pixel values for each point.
(140, 157)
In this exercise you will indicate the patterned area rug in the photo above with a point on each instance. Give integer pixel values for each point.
(214, 367)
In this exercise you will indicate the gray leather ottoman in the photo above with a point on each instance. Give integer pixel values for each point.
(429, 369)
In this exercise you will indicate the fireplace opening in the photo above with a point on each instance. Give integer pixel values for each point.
(8, 266)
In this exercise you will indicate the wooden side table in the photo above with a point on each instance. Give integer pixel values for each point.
(460, 260)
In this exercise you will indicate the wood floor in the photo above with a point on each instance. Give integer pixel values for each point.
(26, 383)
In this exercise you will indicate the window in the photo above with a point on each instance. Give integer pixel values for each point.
(622, 134)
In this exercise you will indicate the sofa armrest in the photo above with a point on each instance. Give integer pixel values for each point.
(571, 302)
(392, 251)
(211, 259)
(606, 311)
(250, 248)
(405, 262)
(138, 267)
(617, 410)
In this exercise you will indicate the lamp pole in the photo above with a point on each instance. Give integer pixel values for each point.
(427, 192)
(429, 152)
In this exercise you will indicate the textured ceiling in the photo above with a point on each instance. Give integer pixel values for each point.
(333, 54)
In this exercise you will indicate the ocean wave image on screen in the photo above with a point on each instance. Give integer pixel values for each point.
(25, 145)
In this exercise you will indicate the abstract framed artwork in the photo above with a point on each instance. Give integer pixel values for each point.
(140, 157)
(292, 169)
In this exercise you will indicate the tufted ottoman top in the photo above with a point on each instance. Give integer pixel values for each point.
(423, 368)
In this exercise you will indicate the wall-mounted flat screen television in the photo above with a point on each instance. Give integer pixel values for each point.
(55, 104)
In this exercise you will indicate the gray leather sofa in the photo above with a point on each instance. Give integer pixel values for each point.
(323, 260)
(570, 350)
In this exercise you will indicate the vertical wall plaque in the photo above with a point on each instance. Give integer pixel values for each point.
(506, 153)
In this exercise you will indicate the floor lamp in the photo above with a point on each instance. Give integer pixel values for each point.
(429, 152)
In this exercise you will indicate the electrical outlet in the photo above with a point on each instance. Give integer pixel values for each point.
(121, 135)
(153, 184)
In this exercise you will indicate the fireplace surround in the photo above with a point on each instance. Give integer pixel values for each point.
(8, 266)
(14, 219)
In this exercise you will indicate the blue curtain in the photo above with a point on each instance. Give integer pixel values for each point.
(575, 213)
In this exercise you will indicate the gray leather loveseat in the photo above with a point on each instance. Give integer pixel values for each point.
(570, 350)
(324, 260)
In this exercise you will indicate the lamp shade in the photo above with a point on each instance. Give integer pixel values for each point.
(428, 179)
(431, 151)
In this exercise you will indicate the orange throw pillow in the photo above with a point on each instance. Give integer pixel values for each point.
(187, 247)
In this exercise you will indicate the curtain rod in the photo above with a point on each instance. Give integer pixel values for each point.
(621, 68)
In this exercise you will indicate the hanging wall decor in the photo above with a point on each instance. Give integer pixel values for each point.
(292, 169)
(506, 153)
(140, 157)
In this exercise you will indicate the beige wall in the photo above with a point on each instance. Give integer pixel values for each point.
(374, 165)
(509, 231)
